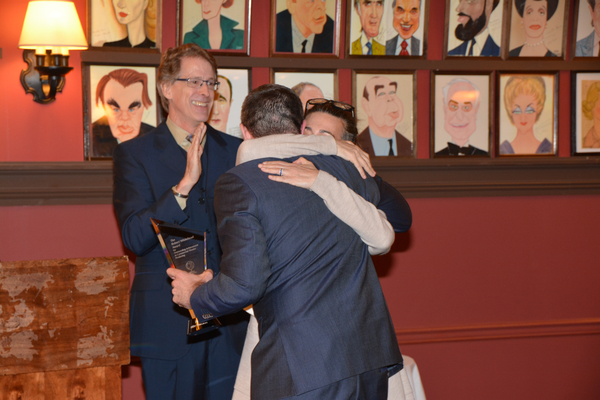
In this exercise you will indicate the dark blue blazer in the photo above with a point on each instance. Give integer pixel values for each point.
(283, 42)
(490, 49)
(145, 169)
(321, 312)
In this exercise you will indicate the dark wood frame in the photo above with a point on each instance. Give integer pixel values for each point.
(336, 92)
(158, 29)
(247, 18)
(500, 105)
(387, 3)
(336, 35)
(504, 40)
(576, 111)
(491, 108)
(355, 100)
(565, 25)
(88, 104)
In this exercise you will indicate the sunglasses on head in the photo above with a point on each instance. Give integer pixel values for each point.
(337, 104)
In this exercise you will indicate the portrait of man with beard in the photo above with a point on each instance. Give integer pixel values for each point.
(473, 28)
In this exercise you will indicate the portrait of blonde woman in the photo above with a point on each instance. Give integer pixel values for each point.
(525, 101)
(215, 31)
(536, 28)
(591, 112)
(136, 16)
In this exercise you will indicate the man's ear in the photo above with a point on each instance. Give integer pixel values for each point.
(246, 133)
(166, 90)
(302, 127)
(291, 6)
(365, 106)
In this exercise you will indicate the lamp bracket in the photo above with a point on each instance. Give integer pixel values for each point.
(36, 78)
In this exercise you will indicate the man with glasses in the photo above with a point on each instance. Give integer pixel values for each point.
(169, 175)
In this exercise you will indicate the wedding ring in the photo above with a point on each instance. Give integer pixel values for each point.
(280, 171)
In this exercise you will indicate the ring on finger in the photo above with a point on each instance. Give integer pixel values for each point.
(280, 171)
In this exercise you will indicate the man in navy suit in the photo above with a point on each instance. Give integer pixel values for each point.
(406, 23)
(473, 18)
(325, 330)
(162, 175)
(304, 28)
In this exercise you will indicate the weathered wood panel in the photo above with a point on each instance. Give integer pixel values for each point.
(102, 383)
(63, 314)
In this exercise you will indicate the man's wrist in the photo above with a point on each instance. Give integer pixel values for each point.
(177, 193)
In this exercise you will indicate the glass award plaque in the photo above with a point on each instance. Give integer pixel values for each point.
(185, 249)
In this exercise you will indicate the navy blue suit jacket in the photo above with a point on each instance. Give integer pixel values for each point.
(283, 42)
(145, 170)
(321, 312)
(490, 48)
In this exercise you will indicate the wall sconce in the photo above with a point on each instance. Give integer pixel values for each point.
(52, 28)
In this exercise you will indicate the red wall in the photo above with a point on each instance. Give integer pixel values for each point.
(466, 263)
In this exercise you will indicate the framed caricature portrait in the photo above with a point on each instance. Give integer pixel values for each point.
(227, 106)
(386, 27)
(385, 115)
(586, 113)
(527, 116)
(474, 28)
(587, 28)
(305, 27)
(461, 115)
(125, 24)
(537, 28)
(219, 26)
(308, 85)
(120, 103)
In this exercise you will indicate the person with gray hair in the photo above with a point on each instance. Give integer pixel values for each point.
(307, 91)
(406, 22)
(589, 46)
(370, 13)
(461, 104)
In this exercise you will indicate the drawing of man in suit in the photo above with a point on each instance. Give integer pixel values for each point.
(123, 93)
(589, 46)
(304, 27)
(473, 18)
(461, 104)
(370, 13)
(406, 23)
(384, 110)
(269, 248)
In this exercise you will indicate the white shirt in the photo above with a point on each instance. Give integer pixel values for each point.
(298, 38)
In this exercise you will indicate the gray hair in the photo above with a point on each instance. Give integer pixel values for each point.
(446, 88)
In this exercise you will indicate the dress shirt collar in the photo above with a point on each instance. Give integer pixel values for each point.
(479, 42)
(180, 135)
(298, 38)
(364, 41)
(381, 146)
(399, 45)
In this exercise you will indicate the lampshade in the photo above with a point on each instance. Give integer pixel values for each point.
(52, 24)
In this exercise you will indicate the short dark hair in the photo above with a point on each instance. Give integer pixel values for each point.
(350, 130)
(592, 3)
(170, 66)
(552, 6)
(272, 109)
(125, 77)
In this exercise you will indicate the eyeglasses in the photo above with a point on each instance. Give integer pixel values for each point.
(197, 83)
(337, 104)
